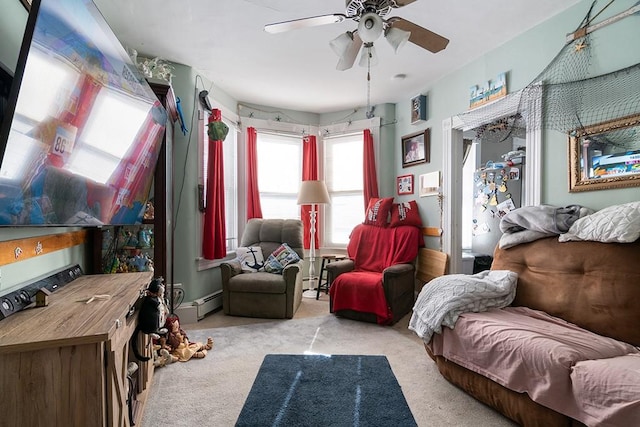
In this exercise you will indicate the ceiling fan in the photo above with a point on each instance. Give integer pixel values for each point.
(369, 14)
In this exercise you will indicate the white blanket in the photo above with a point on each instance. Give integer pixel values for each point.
(444, 298)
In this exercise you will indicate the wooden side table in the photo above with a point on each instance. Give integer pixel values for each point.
(326, 259)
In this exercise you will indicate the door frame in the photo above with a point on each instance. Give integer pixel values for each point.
(453, 127)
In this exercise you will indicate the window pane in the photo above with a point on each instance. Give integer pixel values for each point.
(346, 212)
(343, 165)
(279, 207)
(279, 175)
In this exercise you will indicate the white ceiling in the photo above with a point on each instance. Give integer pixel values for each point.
(224, 40)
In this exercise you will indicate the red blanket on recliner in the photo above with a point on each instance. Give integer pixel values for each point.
(373, 249)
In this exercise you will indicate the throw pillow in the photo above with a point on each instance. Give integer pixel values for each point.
(250, 258)
(620, 223)
(280, 258)
(405, 213)
(378, 211)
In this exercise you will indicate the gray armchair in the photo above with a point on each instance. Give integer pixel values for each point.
(262, 294)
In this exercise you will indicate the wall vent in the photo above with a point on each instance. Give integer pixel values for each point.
(208, 303)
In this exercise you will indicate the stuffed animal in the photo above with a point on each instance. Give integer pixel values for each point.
(179, 344)
(162, 357)
(149, 316)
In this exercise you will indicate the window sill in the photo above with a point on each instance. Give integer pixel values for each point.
(207, 264)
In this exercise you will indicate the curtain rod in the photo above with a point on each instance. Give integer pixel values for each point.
(281, 132)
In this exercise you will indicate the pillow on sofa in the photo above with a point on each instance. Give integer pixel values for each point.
(280, 258)
(620, 223)
(250, 258)
(378, 211)
(405, 213)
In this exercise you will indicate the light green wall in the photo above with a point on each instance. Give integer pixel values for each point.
(523, 58)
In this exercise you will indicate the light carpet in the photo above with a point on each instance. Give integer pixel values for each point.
(212, 391)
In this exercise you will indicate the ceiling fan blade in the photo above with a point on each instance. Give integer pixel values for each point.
(420, 36)
(349, 57)
(295, 24)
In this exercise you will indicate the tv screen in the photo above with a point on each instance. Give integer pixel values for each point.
(82, 129)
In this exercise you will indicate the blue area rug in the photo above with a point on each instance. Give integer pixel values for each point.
(325, 390)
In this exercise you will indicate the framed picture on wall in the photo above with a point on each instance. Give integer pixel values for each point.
(418, 109)
(405, 184)
(415, 148)
(429, 184)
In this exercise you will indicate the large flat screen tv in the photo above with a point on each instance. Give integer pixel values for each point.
(82, 129)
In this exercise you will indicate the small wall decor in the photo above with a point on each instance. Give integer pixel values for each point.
(489, 91)
(429, 184)
(418, 109)
(405, 184)
(415, 148)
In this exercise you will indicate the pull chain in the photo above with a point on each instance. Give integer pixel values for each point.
(369, 114)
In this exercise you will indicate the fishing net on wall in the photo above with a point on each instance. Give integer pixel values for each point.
(573, 96)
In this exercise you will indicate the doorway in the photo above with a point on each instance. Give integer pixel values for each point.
(453, 129)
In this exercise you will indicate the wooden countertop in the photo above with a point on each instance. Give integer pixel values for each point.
(68, 319)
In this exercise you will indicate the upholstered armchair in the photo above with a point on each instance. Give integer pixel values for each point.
(260, 293)
(376, 284)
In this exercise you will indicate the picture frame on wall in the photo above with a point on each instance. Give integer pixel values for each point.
(418, 109)
(429, 184)
(415, 148)
(405, 184)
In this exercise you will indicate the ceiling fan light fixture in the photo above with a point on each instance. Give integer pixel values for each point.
(368, 56)
(341, 43)
(397, 37)
(370, 27)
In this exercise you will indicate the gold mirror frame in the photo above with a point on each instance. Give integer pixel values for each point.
(616, 175)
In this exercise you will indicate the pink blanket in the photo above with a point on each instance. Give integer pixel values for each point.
(527, 351)
(373, 249)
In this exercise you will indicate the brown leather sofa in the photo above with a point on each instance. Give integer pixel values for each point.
(590, 284)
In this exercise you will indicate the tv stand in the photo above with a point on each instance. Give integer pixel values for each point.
(66, 364)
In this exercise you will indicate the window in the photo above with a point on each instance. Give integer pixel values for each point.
(279, 174)
(230, 184)
(343, 176)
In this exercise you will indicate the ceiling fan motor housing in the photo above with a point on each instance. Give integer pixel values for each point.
(370, 27)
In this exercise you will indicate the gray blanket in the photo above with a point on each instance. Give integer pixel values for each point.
(530, 223)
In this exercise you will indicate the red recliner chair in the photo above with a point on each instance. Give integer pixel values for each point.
(377, 283)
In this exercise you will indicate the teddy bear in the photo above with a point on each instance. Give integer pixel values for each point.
(162, 357)
(179, 344)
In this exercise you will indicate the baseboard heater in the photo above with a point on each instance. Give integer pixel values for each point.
(208, 303)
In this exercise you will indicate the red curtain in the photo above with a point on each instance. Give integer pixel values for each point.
(254, 209)
(370, 188)
(214, 234)
(309, 173)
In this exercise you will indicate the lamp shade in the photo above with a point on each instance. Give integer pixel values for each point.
(341, 43)
(397, 37)
(368, 56)
(313, 193)
(370, 27)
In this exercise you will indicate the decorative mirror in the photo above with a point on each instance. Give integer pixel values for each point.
(606, 155)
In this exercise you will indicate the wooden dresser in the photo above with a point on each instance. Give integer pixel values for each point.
(66, 364)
